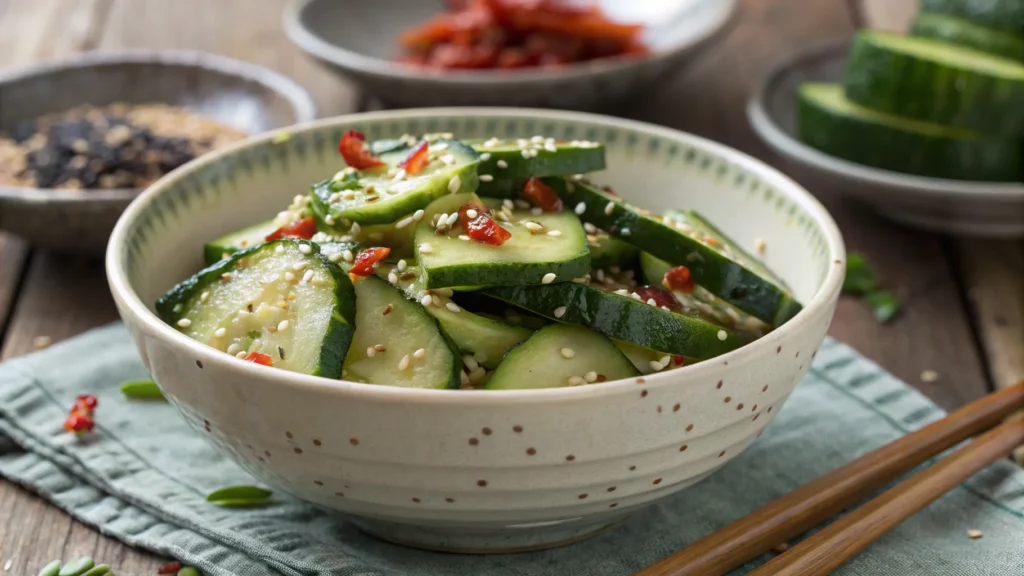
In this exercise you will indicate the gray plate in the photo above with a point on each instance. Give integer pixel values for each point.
(245, 96)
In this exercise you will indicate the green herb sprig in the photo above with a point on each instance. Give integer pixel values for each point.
(862, 280)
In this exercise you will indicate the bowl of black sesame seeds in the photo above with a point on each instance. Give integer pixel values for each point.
(80, 138)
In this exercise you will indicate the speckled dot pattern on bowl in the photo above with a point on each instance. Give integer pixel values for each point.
(479, 470)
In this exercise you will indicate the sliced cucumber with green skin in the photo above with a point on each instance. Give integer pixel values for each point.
(829, 122)
(651, 361)
(484, 338)
(228, 244)
(964, 33)
(607, 252)
(622, 318)
(723, 277)
(500, 188)
(554, 249)
(1005, 15)
(382, 195)
(390, 332)
(235, 306)
(936, 82)
(558, 356)
(537, 156)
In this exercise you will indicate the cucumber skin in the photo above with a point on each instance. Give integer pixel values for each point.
(566, 161)
(903, 85)
(339, 331)
(893, 149)
(963, 33)
(726, 279)
(479, 274)
(1006, 15)
(622, 318)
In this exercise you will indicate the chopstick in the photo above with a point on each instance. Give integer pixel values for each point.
(828, 495)
(826, 550)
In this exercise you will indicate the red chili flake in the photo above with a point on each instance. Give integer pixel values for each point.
(87, 402)
(712, 242)
(169, 568)
(679, 360)
(259, 358)
(304, 228)
(417, 159)
(367, 258)
(679, 279)
(484, 229)
(601, 378)
(660, 297)
(464, 218)
(541, 195)
(353, 150)
(79, 423)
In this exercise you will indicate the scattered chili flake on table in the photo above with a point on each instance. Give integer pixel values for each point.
(80, 418)
(481, 34)
(169, 568)
(116, 146)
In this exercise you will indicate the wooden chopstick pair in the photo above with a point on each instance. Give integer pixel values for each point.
(827, 496)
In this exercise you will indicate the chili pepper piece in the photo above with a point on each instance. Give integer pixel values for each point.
(169, 568)
(464, 218)
(678, 278)
(541, 195)
(417, 159)
(304, 229)
(367, 258)
(353, 150)
(259, 358)
(660, 297)
(484, 229)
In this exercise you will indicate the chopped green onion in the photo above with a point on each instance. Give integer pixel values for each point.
(77, 567)
(142, 390)
(51, 569)
(860, 274)
(883, 304)
(240, 496)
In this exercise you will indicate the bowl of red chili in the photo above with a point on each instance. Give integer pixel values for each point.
(549, 53)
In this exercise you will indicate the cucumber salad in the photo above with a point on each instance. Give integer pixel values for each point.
(432, 262)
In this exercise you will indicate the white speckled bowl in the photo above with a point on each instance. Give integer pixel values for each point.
(478, 470)
(359, 40)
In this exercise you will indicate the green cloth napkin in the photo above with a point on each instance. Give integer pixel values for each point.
(143, 475)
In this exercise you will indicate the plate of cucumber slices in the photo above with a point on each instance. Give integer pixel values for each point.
(477, 329)
(926, 127)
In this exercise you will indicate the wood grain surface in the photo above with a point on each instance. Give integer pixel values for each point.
(957, 320)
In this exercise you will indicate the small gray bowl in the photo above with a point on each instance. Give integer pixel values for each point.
(245, 96)
(960, 207)
(359, 40)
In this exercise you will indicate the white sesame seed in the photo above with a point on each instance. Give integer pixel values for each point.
(533, 152)
(403, 222)
(348, 255)
(636, 296)
(453, 307)
(417, 215)
(554, 233)
(347, 195)
(402, 265)
(477, 375)
(485, 156)
(560, 311)
(336, 257)
(655, 366)
(665, 360)
(307, 276)
(447, 159)
(722, 335)
(652, 302)
(525, 153)
(400, 174)
(470, 362)
(392, 277)
(404, 362)
(576, 381)
(522, 142)
(289, 277)
(464, 379)
(243, 314)
(241, 354)
(929, 376)
(299, 266)
(536, 210)
(471, 214)
(441, 146)
(454, 184)
(234, 348)
(305, 248)
(609, 208)
(974, 534)
(508, 204)
(452, 218)
(581, 208)
(486, 178)
(334, 198)
(533, 226)
(568, 353)
(446, 292)
(220, 332)
(548, 278)
(622, 292)
(491, 143)
(355, 229)
(625, 232)
(426, 300)
(204, 296)
(442, 219)
(184, 323)
(371, 352)
(420, 354)
(426, 248)
(537, 139)
(480, 357)
(590, 228)
(282, 325)
(550, 147)
(379, 348)
(464, 237)
(590, 376)
(502, 164)
(760, 245)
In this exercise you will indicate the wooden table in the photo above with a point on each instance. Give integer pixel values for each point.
(964, 299)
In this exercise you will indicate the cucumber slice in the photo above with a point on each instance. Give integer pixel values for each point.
(558, 356)
(558, 247)
(385, 319)
(681, 246)
(622, 318)
(826, 120)
(607, 252)
(964, 33)
(243, 294)
(500, 189)
(650, 361)
(228, 244)
(486, 339)
(936, 82)
(537, 156)
(379, 196)
(1007, 15)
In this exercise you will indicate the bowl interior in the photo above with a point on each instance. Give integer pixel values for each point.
(160, 240)
(780, 94)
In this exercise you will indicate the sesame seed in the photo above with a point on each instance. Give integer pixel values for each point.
(624, 232)
(184, 323)
(400, 174)
(305, 248)
(471, 214)
(426, 248)
(974, 534)
(379, 348)
(548, 278)
(426, 300)
(760, 245)
(609, 208)
(234, 348)
(568, 353)
(550, 147)
(464, 379)
(392, 277)
(581, 208)
(464, 237)
(636, 296)
(336, 257)
(348, 255)
(283, 325)
(240, 354)
(299, 266)
(289, 277)
(204, 296)
(536, 210)
(485, 156)
(525, 153)
(722, 335)
(491, 143)
(655, 365)
(554, 233)
(502, 164)
(533, 152)
(590, 228)
(417, 215)
(480, 357)
(533, 226)
(929, 376)
(470, 362)
(537, 139)
(452, 218)
(435, 300)
(590, 376)
(402, 265)
(522, 142)
(404, 362)
(447, 159)
(40, 342)
(371, 352)
(560, 311)
(419, 354)
(403, 222)
(622, 292)
(454, 184)
(220, 332)
(508, 204)
(355, 229)
(453, 307)
(307, 276)
(576, 381)
(486, 178)
(225, 276)
(347, 195)
(329, 220)
(665, 360)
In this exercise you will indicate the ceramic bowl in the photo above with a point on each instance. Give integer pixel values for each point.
(358, 39)
(245, 96)
(468, 470)
(951, 206)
